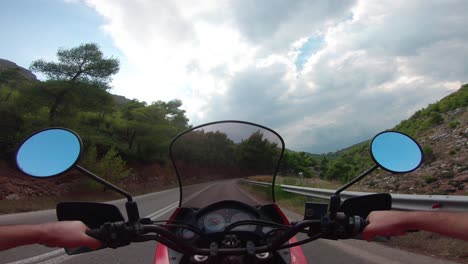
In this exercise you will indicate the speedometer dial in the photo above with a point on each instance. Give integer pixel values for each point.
(214, 222)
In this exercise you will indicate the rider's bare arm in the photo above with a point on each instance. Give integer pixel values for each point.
(394, 223)
(55, 234)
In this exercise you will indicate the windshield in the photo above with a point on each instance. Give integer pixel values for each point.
(211, 159)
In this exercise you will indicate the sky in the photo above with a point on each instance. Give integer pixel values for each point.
(323, 74)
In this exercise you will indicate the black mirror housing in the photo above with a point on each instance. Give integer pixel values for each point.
(364, 205)
(92, 215)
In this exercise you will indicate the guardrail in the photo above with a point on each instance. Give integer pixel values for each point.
(399, 201)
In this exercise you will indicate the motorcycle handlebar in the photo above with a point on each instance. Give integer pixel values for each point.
(119, 234)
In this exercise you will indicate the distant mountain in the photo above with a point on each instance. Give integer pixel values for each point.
(6, 65)
(120, 100)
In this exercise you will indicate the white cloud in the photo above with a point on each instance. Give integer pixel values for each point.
(379, 61)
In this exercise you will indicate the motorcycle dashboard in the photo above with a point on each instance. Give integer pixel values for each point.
(218, 220)
(213, 219)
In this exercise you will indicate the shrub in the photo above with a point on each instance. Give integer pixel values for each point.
(428, 154)
(454, 124)
(435, 118)
(429, 179)
(110, 167)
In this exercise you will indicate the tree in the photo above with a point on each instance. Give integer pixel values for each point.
(81, 70)
(83, 63)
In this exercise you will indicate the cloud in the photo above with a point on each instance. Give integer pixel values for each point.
(325, 74)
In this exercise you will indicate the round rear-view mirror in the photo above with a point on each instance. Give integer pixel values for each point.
(49, 152)
(396, 152)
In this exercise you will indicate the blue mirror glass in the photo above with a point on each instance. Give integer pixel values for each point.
(49, 152)
(396, 152)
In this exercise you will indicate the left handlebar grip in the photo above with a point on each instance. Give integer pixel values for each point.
(94, 233)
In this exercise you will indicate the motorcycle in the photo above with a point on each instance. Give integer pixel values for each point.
(220, 218)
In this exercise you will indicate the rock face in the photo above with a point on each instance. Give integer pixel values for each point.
(444, 171)
(6, 64)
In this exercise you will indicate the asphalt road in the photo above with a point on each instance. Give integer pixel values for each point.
(161, 204)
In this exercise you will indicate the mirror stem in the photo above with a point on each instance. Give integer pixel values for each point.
(106, 183)
(358, 178)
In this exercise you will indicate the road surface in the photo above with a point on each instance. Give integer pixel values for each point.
(160, 205)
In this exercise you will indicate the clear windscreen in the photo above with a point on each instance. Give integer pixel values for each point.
(211, 159)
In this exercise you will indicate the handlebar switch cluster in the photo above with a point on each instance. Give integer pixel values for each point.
(113, 235)
(342, 226)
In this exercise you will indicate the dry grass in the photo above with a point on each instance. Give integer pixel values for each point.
(50, 202)
(18, 206)
(309, 182)
(434, 245)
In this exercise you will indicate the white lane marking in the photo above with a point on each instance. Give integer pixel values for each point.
(39, 257)
(169, 207)
(62, 257)
(197, 193)
(59, 259)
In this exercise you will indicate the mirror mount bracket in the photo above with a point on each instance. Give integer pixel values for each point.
(130, 205)
(358, 178)
(104, 182)
(132, 211)
(335, 199)
(335, 202)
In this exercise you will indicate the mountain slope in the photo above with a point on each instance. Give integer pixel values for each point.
(442, 131)
(9, 65)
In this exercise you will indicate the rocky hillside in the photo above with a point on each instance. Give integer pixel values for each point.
(8, 65)
(442, 131)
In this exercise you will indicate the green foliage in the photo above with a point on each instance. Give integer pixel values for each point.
(85, 63)
(257, 153)
(435, 118)
(432, 115)
(429, 155)
(429, 179)
(77, 82)
(454, 124)
(75, 96)
(344, 165)
(111, 167)
(295, 162)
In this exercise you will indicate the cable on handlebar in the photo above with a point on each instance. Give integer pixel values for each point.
(312, 238)
(293, 231)
(189, 227)
(255, 222)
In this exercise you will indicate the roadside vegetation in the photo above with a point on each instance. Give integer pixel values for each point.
(430, 126)
(76, 94)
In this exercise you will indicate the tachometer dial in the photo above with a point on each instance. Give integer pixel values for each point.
(241, 217)
(214, 222)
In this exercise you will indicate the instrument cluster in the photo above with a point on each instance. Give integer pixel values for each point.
(216, 221)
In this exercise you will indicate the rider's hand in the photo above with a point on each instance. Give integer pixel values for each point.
(67, 234)
(385, 223)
